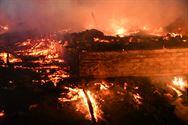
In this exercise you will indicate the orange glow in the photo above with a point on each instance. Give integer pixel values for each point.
(78, 97)
(179, 83)
(49, 48)
(2, 114)
(137, 98)
(145, 28)
(178, 92)
(46, 53)
(4, 28)
(4, 57)
(57, 76)
(103, 85)
(176, 35)
(120, 32)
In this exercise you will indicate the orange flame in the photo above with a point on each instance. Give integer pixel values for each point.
(77, 95)
(4, 57)
(179, 83)
(48, 51)
(137, 98)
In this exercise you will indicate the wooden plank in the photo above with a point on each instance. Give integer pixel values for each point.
(134, 63)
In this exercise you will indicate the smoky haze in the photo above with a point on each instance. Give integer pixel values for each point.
(105, 15)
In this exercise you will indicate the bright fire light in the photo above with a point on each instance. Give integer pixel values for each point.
(2, 114)
(81, 104)
(120, 32)
(180, 83)
(5, 28)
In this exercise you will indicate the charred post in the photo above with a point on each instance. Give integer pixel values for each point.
(90, 108)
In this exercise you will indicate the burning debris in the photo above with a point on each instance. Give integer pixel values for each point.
(94, 40)
(84, 99)
(9, 58)
(52, 58)
(43, 55)
(3, 29)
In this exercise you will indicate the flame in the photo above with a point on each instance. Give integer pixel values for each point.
(137, 98)
(120, 32)
(179, 83)
(47, 52)
(176, 35)
(49, 48)
(5, 57)
(78, 96)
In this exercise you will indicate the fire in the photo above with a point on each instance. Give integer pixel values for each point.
(178, 92)
(89, 102)
(2, 113)
(145, 28)
(122, 27)
(101, 40)
(49, 48)
(84, 102)
(176, 35)
(121, 32)
(137, 98)
(46, 53)
(4, 28)
(103, 85)
(57, 76)
(179, 83)
(7, 57)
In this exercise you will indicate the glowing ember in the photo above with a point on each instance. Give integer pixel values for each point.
(46, 54)
(101, 40)
(48, 48)
(57, 76)
(103, 85)
(2, 113)
(4, 28)
(6, 57)
(137, 98)
(176, 35)
(82, 99)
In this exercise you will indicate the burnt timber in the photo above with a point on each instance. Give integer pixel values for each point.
(139, 54)
(134, 63)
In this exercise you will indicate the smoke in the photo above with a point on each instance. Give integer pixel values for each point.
(105, 15)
